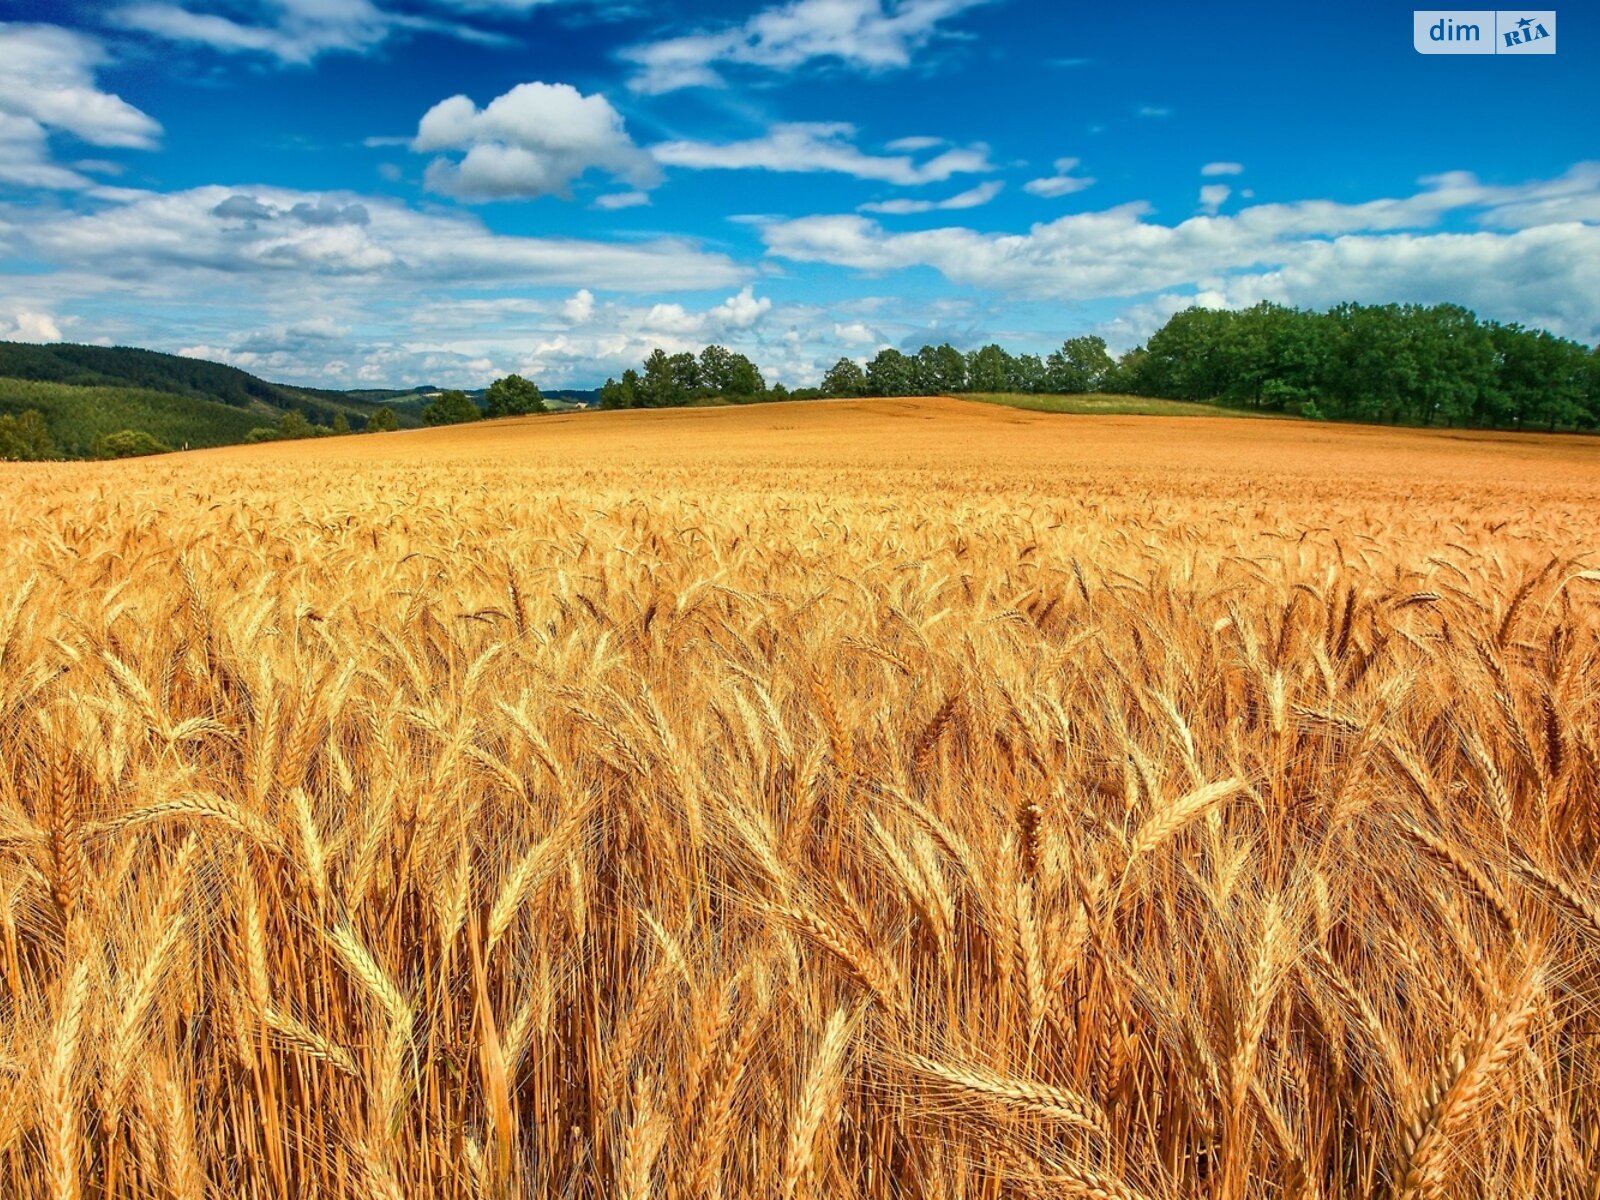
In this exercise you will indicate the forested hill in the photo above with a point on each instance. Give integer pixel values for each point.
(83, 394)
(150, 370)
(122, 366)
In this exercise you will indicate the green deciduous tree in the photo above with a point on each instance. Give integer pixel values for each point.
(890, 374)
(988, 369)
(1080, 365)
(513, 396)
(657, 388)
(684, 369)
(615, 394)
(450, 408)
(128, 443)
(26, 438)
(845, 378)
(383, 421)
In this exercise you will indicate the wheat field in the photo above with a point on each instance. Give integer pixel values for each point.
(885, 799)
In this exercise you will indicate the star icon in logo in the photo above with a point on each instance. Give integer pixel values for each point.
(1524, 23)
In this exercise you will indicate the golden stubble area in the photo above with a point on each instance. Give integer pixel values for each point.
(882, 798)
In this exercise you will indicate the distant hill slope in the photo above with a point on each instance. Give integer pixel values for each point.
(84, 391)
(78, 415)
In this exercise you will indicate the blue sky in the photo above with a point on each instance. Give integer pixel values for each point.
(366, 192)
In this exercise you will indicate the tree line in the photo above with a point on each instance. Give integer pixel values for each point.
(511, 396)
(1396, 363)
(671, 380)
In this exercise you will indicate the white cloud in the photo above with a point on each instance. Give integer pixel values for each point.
(47, 87)
(535, 140)
(399, 295)
(914, 145)
(580, 308)
(578, 343)
(870, 35)
(1152, 110)
(741, 311)
(297, 31)
(1571, 196)
(292, 31)
(25, 156)
(1213, 196)
(1314, 251)
(49, 77)
(857, 333)
(613, 201)
(822, 147)
(1062, 183)
(279, 238)
(25, 325)
(971, 198)
(1222, 168)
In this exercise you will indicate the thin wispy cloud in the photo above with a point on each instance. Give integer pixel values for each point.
(1062, 183)
(810, 147)
(868, 35)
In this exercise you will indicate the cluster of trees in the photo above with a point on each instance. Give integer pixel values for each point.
(1399, 363)
(670, 380)
(511, 396)
(26, 438)
(1405, 363)
(293, 426)
(1082, 364)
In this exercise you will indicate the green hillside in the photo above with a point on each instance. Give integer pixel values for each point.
(105, 366)
(152, 371)
(84, 392)
(78, 415)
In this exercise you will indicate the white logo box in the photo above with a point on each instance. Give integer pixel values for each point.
(1484, 31)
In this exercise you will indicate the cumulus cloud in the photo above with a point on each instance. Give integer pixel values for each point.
(579, 341)
(1062, 183)
(1213, 196)
(536, 140)
(47, 87)
(1314, 251)
(580, 308)
(741, 311)
(872, 35)
(857, 333)
(25, 325)
(244, 208)
(822, 147)
(1222, 168)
